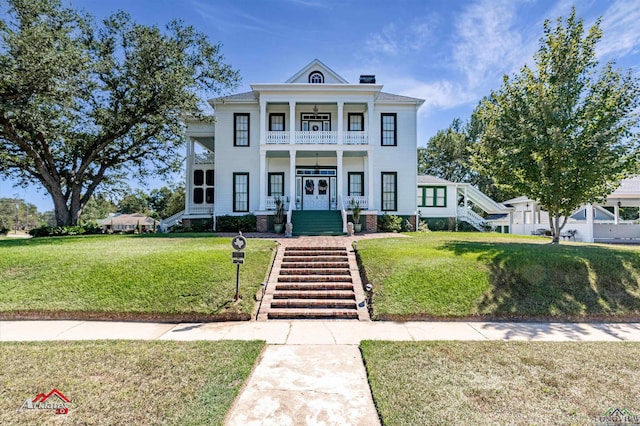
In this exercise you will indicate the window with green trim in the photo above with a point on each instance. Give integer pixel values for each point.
(432, 196)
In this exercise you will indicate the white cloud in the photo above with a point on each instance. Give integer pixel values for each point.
(395, 39)
(441, 94)
(621, 29)
(230, 19)
(488, 41)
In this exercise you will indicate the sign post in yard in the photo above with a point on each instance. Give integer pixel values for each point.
(238, 243)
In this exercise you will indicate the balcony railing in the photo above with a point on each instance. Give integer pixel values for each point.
(348, 201)
(355, 138)
(316, 138)
(277, 137)
(204, 158)
(270, 203)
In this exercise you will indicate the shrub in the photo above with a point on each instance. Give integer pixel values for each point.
(59, 231)
(226, 223)
(389, 223)
(423, 226)
(3, 230)
(406, 225)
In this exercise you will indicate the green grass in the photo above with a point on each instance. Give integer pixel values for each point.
(186, 276)
(125, 382)
(462, 275)
(501, 383)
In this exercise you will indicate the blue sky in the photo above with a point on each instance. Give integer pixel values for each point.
(450, 53)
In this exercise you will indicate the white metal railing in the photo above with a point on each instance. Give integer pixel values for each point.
(343, 213)
(167, 223)
(270, 203)
(355, 138)
(201, 209)
(277, 137)
(348, 201)
(317, 138)
(204, 158)
(472, 218)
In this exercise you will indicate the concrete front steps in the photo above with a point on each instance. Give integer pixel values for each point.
(314, 283)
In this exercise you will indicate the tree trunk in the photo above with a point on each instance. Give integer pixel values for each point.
(555, 230)
(63, 216)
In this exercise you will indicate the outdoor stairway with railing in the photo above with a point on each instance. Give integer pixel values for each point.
(314, 283)
(316, 222)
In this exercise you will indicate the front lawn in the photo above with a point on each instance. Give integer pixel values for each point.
(501, 383)
(494, 276)
(182, 277)
(125, 382)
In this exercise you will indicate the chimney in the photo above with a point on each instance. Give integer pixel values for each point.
(367, 79)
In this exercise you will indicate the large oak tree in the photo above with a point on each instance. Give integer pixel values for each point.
(562, 132)
(85, 105)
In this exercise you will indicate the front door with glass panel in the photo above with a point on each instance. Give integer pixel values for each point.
(315, 192)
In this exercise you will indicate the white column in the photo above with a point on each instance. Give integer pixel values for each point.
(369, 167)
(339, 178)
(616, 212)
(263, 180)
(511, 222)
(263, 121)
(189, 180)
(589, 212)
(340, 122)
(466, 199)
(292, 123)
(292, 181)
(370, 131)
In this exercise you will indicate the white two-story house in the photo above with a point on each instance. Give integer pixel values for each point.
(317, 142)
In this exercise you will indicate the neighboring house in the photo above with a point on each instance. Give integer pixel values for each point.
(316, 141)
(589, 223)
(440, 199)
(118, 222)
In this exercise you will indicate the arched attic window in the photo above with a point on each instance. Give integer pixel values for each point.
(316, 77)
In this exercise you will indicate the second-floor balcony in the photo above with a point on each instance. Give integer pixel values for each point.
(316, 138)
(203, 158)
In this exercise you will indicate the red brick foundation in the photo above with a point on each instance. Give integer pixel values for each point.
(186, 223)
(262, 223)
(371, 224)
(412, 221)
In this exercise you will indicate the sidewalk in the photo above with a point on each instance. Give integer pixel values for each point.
(311, 372)
(314, 332)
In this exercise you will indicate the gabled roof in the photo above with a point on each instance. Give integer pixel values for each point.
(519, 200)
(429, 179)
(316, 65)
(390, 97)
(244, 96)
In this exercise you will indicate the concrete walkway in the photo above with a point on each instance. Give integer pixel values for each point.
(314, 332)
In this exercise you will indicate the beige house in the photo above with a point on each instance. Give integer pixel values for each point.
(118, 222)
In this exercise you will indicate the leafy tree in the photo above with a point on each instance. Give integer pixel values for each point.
(16, 213)
(447, 155)
(98, 207)
(136, 202)
(562, 132)
(83, 105)
(167, 201)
